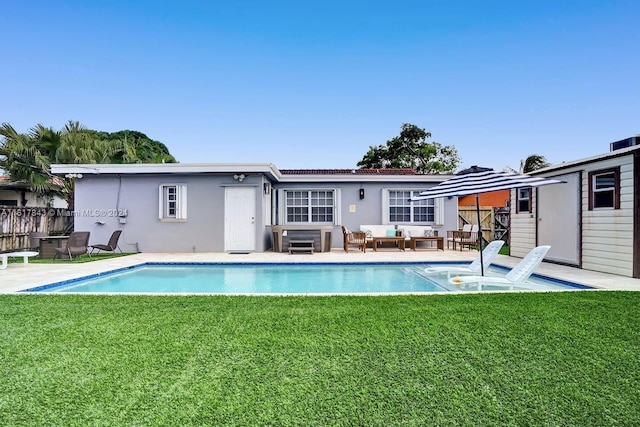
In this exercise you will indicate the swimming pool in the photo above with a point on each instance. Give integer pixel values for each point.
(321, 279)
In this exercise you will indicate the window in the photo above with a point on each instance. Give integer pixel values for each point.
(523, 200)
(604, 189)
(172, 202)
(401, 210)
(310, 206)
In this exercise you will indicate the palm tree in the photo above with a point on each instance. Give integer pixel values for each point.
(532, 163)
(28, 157)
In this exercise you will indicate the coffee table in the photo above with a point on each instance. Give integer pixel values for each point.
(439, 242)
(398, 240)
(24, 254)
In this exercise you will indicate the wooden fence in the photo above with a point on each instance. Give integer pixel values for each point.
(494, 222)
(17, 222)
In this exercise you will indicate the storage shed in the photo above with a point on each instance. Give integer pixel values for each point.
(592, 220)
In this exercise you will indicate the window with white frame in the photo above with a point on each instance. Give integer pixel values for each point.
(604, 189)
(310, 206)
(523, 200)
(172, 203)
(402, 210)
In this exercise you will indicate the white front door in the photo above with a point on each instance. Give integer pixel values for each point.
(240, 219)
(559, 219)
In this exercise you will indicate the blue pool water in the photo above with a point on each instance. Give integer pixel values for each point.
(278, 279)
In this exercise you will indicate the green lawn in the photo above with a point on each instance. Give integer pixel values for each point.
(65, 260)
(557, 359)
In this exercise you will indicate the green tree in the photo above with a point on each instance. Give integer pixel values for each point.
(135, 147)
(28, 157)
(532, 163)
(412, 150)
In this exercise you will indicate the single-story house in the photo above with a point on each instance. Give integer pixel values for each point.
(19, 194)
(592, 220)
(245, 207)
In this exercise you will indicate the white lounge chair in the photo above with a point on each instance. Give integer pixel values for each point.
(489, 253)
(516, 276)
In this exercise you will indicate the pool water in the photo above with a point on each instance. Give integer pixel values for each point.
(279, 279)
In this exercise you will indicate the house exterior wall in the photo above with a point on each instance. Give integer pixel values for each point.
(203, 231)
(496, 199)
(101, 198)
(607, 235)
(32, 199)
(353, 211)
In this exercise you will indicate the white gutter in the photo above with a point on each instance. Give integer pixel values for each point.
(166, 168)
(268, 169)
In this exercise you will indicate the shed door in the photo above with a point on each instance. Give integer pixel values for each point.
(240, 219)
(559, 219)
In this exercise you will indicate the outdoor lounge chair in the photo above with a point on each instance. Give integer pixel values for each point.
(111, 246)
(77, 245)
(488, 255)
(516, 276)
(354, 238)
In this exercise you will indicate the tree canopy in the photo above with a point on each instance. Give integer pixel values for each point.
(27, 157)
(532, 163)
(412, 150)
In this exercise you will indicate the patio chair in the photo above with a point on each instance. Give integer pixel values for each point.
(489, 253)
(354, 238)
(516, 276)
(452, 234)
(111, 246)
(77, 244)
(467, 238)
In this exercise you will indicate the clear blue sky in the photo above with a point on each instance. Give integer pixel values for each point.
(307, 84)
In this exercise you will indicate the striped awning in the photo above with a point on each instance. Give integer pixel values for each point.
(481, 180)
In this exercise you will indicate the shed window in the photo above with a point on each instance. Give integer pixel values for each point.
(604, 189)
(523, 200)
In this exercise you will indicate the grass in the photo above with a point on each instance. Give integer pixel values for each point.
(556, 359)
(76, 260)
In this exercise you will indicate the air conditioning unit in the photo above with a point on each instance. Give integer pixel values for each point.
(624, 143)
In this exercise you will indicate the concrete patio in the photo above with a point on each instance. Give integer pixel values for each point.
(18, 277)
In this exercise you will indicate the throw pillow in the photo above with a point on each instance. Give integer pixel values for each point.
(391, 232)
(428, 232)
(368, 234)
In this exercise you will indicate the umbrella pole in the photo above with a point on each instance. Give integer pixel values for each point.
(479, 234)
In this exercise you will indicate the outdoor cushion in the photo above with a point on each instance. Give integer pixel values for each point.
(377, 230)
(409, 231)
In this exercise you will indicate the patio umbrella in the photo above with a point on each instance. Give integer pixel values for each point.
(476, 180)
